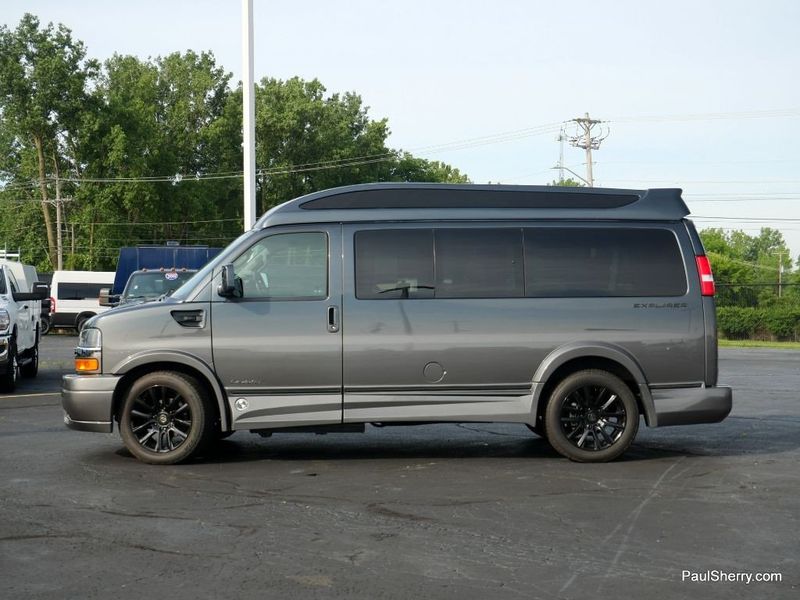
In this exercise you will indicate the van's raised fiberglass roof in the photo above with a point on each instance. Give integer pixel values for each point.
(431, 201)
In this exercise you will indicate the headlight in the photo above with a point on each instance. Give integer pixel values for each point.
(5, 320)
(89, 354)
(90, 339)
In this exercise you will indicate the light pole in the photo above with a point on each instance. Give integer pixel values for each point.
(248, 116)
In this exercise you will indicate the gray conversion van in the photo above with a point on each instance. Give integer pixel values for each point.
(574, 311)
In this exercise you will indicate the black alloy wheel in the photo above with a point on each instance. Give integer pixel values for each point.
(165, 418)
(161, 419)
(592, 416)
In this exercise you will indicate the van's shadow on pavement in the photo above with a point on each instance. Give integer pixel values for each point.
(737, 436)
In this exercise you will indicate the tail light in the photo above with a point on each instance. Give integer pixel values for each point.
(706, 276)
(52, 305)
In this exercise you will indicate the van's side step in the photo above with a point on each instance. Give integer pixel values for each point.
(318, 429)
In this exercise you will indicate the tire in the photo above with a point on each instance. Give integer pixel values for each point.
(81, 322)
(31, 368)
(45, 325)
(591, 416)
(166, 418)
(10, 374)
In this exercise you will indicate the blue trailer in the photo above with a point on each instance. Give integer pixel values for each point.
(159, 257)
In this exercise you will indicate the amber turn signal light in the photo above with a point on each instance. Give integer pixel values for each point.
(84, 365)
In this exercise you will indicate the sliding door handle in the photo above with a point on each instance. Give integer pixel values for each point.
(333, 319)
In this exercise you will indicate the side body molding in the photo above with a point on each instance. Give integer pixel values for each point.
(574, 350)
(155, 356)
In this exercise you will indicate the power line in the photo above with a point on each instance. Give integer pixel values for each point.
(753, 114)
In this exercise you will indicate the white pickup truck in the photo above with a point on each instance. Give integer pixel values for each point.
(20, 321)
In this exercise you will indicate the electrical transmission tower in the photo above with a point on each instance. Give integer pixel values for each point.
(584, 138)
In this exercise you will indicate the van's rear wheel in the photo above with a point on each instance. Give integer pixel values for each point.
(165, 418)
(591, 416)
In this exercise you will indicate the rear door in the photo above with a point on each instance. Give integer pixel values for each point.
(278, 349)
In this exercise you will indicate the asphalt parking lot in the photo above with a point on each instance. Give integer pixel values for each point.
(447, 511)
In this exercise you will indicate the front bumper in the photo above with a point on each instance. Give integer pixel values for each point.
(87, 401)
(690, 406)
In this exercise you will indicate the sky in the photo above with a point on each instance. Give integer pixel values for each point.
(704, 96)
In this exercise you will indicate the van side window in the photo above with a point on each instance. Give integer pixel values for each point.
(285, 266)
(602, 262)
(80, 291)
(479, 263)
(394, 264)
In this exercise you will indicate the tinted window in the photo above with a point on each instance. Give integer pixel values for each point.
(80, 291)
(564, 262)
(479, 263)
(3, 282)
(394, 264)
(287, 266)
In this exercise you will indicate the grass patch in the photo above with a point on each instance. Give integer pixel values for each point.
(759, 344)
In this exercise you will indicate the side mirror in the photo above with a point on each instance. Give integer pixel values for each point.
(24, 296)
(41, 289)
(106, 298)
(231, 286)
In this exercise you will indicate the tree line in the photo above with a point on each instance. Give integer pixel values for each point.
(135, 150)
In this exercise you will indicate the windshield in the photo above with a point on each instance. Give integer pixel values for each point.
(154, 284)
(223, 257)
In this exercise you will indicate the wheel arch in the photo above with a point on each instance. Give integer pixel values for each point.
(141, 364)
(574, 357)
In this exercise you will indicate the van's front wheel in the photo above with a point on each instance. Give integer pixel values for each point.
(165, 418)
(591, 416)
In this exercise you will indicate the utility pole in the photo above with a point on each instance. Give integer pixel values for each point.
(780, 254)
(561, 137)
(59, 247)
(583, 138)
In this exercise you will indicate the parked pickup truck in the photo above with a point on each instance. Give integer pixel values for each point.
(20, 320)
(145, 273)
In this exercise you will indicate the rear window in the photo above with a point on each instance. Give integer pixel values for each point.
(80, 291)
(602, 262)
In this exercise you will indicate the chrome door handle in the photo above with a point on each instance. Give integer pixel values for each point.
(333, 319)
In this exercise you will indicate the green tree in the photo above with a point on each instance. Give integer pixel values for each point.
(150, 150)
(159, 119)
(568, 182)
(307, 140)
(44, 83)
